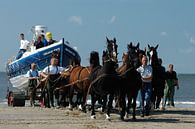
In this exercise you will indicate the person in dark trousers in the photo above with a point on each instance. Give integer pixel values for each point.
(52, 72)
(32, 75)
(171, 82)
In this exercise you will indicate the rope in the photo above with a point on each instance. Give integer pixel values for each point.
(70, 84)
(129, 69)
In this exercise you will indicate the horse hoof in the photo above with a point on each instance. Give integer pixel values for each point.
(122, 118)
(108, 117)
(100, 109)
(70, 107)
(126, 115)
(93, 117)
(134, 119)
(80, 108)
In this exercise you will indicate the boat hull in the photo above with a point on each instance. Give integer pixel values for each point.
(17, 69)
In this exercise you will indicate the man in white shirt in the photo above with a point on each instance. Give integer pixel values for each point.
(146, 91)
(52, 73)
(23, 46)
(52, 69)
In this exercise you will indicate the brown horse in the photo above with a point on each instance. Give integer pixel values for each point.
(79, 81)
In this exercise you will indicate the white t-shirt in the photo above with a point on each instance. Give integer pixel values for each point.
(53, 69)
(24, 44)
(145, 71)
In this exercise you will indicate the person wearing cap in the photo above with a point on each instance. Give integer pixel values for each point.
(24, 44)
(32, 75)
(49, 38)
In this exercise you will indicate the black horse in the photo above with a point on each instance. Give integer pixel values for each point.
(158, 80)
(131, 80)
(105, 80)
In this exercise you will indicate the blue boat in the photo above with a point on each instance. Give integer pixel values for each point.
(17, 69)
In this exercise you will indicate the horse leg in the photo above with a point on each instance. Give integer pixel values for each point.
(134, 107)
(93, 100)
(79, 100)
(111, 98)
(128, 105)
(84, 102)
(122, 104)
(71, 91)
(104, 103)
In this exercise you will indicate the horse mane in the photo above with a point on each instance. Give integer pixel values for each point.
(125, 65)
(94, 59)
(75, 62)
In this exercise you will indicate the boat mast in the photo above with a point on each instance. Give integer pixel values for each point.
(62, 54)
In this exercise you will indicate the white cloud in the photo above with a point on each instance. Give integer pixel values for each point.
(186, 50)
(113, 19)
(190, 37)
(163, 33)
(76, 19)
(192, 40)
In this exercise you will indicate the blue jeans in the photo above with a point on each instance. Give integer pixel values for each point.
(146, 93)
(20, 53)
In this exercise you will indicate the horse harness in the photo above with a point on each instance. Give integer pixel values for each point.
(78, 78)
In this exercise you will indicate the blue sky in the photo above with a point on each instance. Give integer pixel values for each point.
(86, 23)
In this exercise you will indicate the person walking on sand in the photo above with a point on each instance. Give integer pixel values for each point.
(32, 75)
(171, 82)
(146, 91)
(52, 73)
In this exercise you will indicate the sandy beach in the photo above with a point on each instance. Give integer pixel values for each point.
(44, 118)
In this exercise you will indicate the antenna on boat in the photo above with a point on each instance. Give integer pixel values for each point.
(38, 30)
